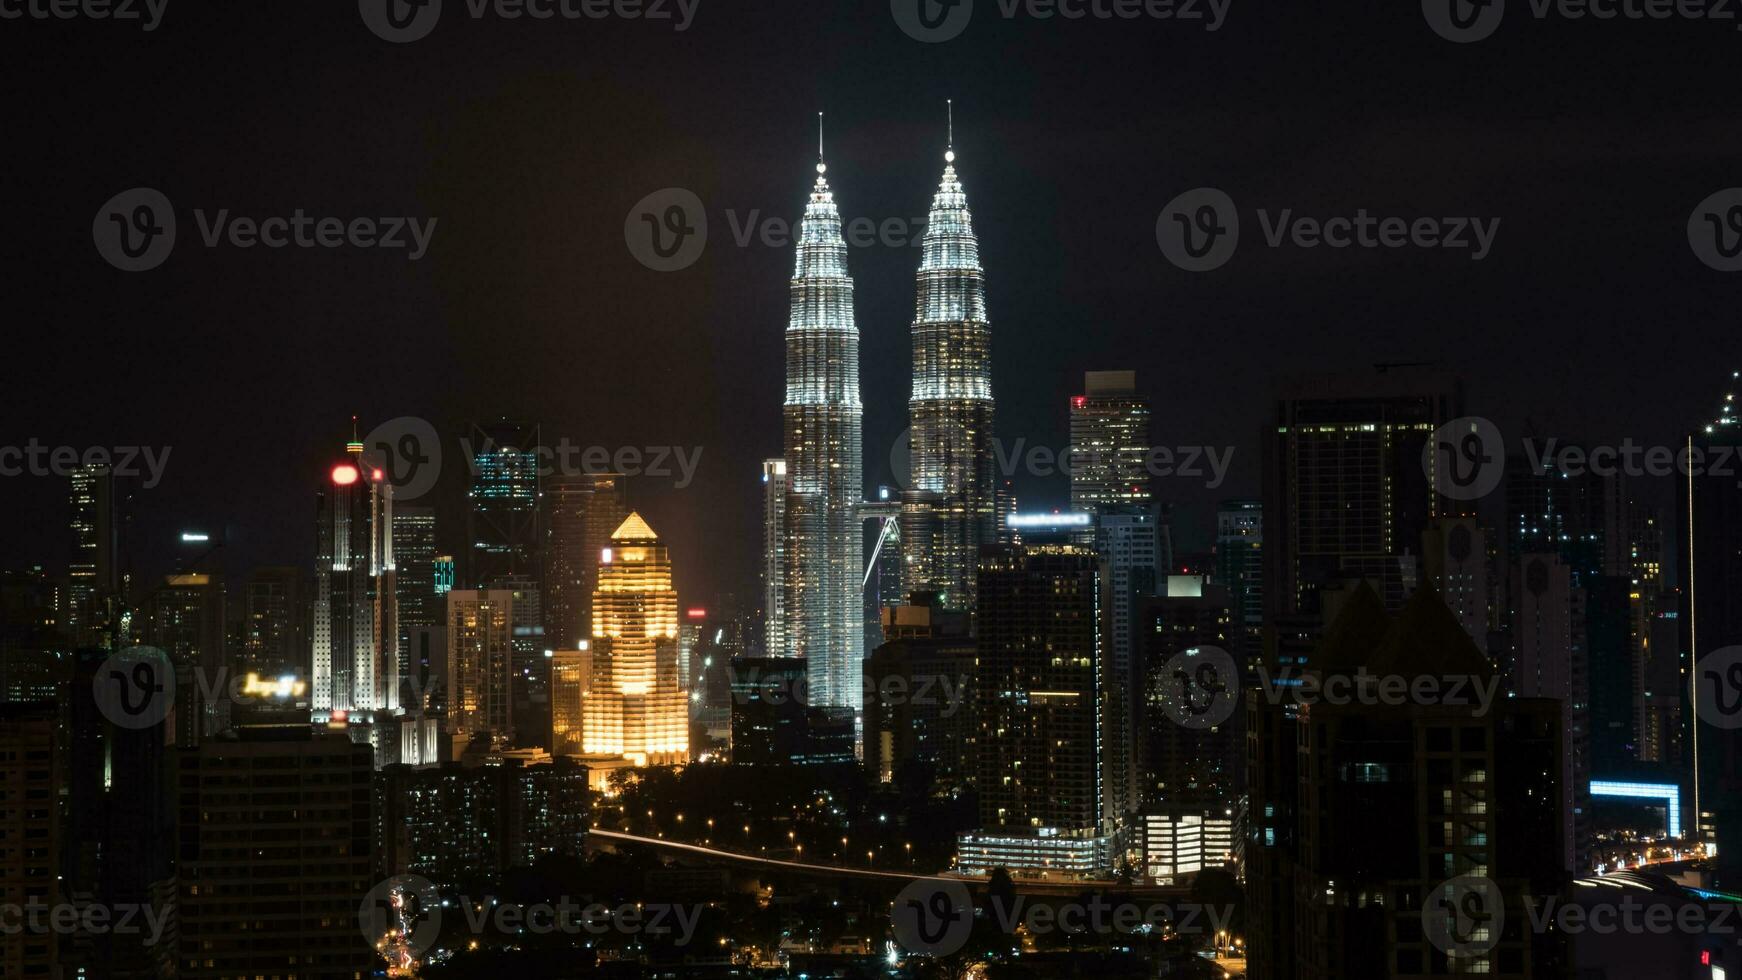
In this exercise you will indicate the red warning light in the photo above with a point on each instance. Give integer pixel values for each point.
(344, 474)
(698, 614)
(1077, 401)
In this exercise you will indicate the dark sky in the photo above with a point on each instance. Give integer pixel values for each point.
(530, 140)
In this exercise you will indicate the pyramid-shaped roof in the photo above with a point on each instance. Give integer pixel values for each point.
(633, 528)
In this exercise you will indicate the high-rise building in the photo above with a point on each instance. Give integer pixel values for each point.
(1126, 536)
(950, 510)
(480, 664)
(276, 855)
(1546, 642)
(184, 617)
(1346, 494)
(1110, 448)
(1371, 817)
(774, 557)
(1454, 552)
(275, 615)
(635, 705)
(1240, 570)
(1187, 769)
(92, 573)
(1709, 528)
(773, 721)
(503, 532)
(414, 556)
(919, 686)
(355, 666)
(1040, 705)
(529, 686)
(30, 868)
(824, 456)
(581, 511)
(571, 675)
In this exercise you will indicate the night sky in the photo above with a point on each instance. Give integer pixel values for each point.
(530, 140)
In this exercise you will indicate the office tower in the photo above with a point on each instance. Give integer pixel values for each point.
(1546, 635)
(948, 514)
(1240, 569)
(773, 571)
(919, 708)
(275, 615)
(1178, 843)
(276, 855)
(1709, 529)
(581, 511)
(1364, 808)
(1346, 494)
(92, 574)
(426, 666)
(30, 868)
(1126, 536)
(720, 632)
(458, 824)
(1184, 770)
(119, 809)
(571, 676)
(184, 617)
(502, 516)
(1039, 694)
(774, 721)
(529, 687)
(34, 661)
(355, 666)
(1109, 462)
(1454, 553)
(635, 706)
(414, 555)
(480, 665)
(444, 576)
(824, 461)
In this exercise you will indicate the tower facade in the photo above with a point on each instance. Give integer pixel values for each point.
(774, 557)
(581, 512)
(355, 665)
(950, 511)
(824, 462)
(1109, 443)
(635, 705)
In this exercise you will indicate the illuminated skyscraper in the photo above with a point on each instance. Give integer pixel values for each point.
(774, 556)
(356, 635)
(581, 511)
(824, 541)
(635, 706)
(480, 664)
(1109, 442)
(503, 519)
(949, 512)
(92, 570)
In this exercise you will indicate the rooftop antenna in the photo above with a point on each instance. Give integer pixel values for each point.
(950, 149)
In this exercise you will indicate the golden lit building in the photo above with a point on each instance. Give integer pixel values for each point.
(571, 673)
(635, 707)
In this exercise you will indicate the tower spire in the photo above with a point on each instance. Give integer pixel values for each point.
(821, 166)
(950, 145)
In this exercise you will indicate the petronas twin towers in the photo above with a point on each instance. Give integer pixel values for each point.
(817, 607)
